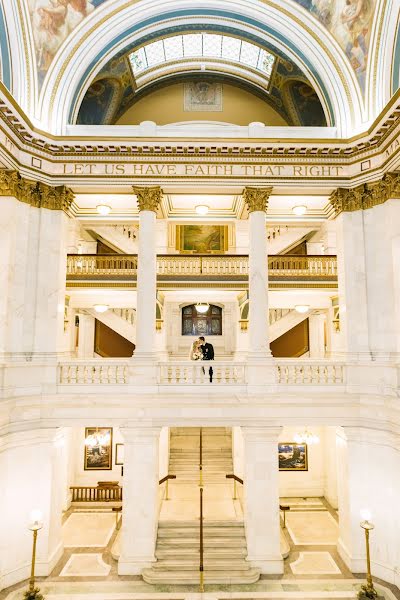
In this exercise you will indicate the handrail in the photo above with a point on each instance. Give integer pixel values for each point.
(284, 508)
(166, 479)
(235, 479)
(201, 565)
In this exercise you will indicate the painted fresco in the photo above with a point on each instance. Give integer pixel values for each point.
(303, 105)
(350, 22)
(52, 22)
(100, 103)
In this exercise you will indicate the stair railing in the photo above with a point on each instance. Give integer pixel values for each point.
(201, 565)
(235, 479)
(166, 480)
(283, 507)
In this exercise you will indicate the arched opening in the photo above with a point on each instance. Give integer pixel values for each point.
(197, 323)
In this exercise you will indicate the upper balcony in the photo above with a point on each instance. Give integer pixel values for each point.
(291, 270)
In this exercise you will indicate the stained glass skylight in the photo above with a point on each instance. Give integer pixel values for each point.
(202, 45)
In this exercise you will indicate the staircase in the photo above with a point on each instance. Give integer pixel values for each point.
(121, 320)
(225, 548)
(282, 320)
(121, 237)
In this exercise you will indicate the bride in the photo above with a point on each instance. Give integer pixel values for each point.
(195, 351)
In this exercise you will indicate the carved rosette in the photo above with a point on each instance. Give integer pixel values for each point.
(366, 195)
(36, 194)
(256, 198)
(148, 198)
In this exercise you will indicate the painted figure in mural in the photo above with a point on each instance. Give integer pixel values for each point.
(350, 22)
(52, 22)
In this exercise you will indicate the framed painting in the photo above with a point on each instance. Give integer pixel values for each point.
(119, 454)
(202, 239)
(98, 458)
(292, 456)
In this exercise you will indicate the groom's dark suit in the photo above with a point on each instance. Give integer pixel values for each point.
(208, 354)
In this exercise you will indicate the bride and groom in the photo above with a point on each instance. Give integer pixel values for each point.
(202, 350)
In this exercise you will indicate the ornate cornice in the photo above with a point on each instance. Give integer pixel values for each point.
(366, 195)
(35, 193)
(148, 198)
(256, 198)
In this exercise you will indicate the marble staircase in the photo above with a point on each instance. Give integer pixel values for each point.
(178, 539)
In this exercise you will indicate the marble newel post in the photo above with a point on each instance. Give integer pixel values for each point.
(139, 517)
(261, 498)
(148, 199)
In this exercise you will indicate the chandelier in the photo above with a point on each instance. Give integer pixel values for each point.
(98, 439)
(306, 437)
(202, 307)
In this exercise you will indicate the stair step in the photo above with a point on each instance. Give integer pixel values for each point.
(192, 577)
(207, 523)
(194, 532)
(214, 564)
(193, 542)
(210, 553)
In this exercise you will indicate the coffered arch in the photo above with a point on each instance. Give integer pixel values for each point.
(112, 29)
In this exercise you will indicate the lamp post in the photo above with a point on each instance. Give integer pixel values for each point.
(36, 523)
(368, 590)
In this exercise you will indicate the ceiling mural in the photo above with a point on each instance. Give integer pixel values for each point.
(350, 22)
(52, 22)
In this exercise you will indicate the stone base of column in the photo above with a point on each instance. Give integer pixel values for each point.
(143, 369)
(261, 369)
(134, 565)
(267, 566)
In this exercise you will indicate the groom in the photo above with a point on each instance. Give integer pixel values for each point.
(208, 354)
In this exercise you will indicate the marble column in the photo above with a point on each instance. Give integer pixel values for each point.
(261, 498)
(148, 199)
(140, 506)
(86, 336)
(352, 284)
(31, 474)
(316, 324)
(257, 201)
(368, 480)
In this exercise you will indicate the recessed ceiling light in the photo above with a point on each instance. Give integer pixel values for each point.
(201, 209)
(302, 308)
(103, 209)
(299, 210)
(100, 308)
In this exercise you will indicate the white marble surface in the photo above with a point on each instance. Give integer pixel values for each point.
(88, 530)
(258, 286)
(314, 563)
(312, 528)
(146, 284)
(85, 565)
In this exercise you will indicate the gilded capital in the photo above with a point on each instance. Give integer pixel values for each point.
(256, 198)
(148, 198)
(366, 195)
(35, 193)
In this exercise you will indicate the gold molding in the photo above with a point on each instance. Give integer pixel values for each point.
(35, 193)
(366, 195)
(256, 198)
(148, 198)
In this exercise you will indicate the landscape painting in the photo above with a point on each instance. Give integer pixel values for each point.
(202, 239)
(292, 456)
(98, 458)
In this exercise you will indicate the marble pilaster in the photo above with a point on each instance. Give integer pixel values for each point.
(317, 335)
(86, 336)
(261, 498)
(140, 508)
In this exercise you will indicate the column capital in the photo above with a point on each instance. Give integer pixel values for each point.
(35, 193)
(256, 198)
(148, 198)
(366, 195)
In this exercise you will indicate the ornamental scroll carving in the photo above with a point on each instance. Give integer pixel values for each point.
(148, 198)
(256, 198)
(35, 193)
(366, 195)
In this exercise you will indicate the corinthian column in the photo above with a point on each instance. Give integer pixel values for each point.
(256, 199)
(148, 199)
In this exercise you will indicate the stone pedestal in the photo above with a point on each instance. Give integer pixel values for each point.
(261, 498)
(140, 514)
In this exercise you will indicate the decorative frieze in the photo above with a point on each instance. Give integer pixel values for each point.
(148, 198)
(256, 198)
(366, 195)
(35, 193)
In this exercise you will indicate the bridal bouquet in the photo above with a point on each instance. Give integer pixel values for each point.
(197, 355)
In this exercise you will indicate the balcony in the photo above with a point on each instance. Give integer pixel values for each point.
(317, 270)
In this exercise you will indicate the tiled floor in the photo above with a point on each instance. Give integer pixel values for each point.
(313, 570)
